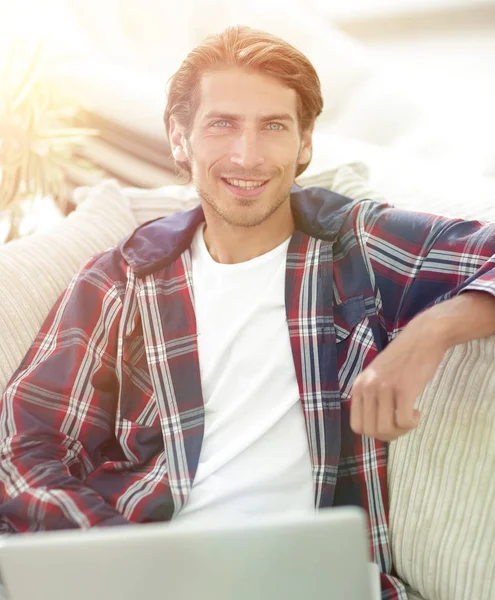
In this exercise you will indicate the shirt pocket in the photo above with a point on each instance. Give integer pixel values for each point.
(347, 315)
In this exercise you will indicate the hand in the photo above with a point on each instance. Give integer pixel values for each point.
(384, 394)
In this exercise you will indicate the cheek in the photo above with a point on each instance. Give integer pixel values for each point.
(285, 151)
(207, 153)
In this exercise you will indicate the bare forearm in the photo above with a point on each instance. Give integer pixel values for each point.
(466, 317)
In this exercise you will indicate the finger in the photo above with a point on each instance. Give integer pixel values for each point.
(406, 416)
(386, 425)
(370, 414)
(388, 429)
(356, 412)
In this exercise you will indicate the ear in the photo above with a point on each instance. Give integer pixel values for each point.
(177, 141)
(306, 148)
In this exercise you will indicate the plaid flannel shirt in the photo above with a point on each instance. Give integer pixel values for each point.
(103, 421)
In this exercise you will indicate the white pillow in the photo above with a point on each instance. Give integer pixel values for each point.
(441, 483)
(36, 269)
(351, 180)
(160, 202)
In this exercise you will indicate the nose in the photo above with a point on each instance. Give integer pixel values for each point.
(247, 151)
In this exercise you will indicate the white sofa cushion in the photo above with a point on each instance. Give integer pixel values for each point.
(35, 270)
(147, 205)
(442, 484)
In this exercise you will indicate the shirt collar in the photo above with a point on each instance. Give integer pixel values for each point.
(317, 212)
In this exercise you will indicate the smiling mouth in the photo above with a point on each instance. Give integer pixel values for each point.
(245, 184)
(243, 188)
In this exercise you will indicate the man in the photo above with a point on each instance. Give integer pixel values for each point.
(253, 355)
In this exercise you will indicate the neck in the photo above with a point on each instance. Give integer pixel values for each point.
(228, 244)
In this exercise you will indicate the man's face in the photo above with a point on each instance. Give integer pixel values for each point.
(245, 146)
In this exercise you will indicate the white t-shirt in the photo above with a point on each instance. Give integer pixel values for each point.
(254, 458)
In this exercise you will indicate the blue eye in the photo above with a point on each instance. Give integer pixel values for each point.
(220, 124)
(278, 126)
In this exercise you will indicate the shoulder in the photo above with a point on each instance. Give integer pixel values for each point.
(325, 214)
(104, 272)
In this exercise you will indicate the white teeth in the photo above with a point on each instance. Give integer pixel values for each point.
(245, 184)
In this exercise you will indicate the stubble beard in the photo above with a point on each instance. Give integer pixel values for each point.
(246, 220)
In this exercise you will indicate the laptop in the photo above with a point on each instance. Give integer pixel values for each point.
(324, 555)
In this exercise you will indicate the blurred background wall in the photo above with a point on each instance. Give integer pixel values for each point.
(415, 76)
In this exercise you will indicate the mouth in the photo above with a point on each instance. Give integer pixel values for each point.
(244, 188)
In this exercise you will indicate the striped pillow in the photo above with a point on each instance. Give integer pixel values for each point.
(36, 269)
(442, 485)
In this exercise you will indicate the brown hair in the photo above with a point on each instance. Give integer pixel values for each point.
(241, 46)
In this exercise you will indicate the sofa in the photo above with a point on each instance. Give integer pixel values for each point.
(440, 476)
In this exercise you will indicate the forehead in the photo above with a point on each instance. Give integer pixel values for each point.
(245, 92)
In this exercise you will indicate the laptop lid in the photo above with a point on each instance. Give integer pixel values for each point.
(324, 555)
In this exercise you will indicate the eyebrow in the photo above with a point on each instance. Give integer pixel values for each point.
(263, 118)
